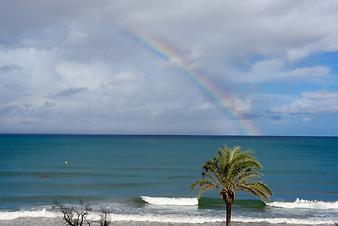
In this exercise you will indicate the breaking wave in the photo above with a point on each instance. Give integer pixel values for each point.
(305, 204)
(165, 201)
(11, 215)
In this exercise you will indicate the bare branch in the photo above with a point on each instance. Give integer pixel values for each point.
(74, 216)
(105, 219)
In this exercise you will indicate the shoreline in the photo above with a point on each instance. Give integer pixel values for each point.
(42, 221)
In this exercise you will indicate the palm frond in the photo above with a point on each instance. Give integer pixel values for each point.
(211, 170)
(259, 189)
(243, 166)
(233, 169)
(246, 176)
(204, 186)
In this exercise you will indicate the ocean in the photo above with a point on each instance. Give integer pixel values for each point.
(148, 178)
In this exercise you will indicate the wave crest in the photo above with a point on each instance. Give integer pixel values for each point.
(11, 215)
(305, 204)
(165, 201)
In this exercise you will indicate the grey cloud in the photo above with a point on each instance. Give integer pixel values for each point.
(275, 117)
(95, 53)
(71, 91)
(16, 110)
(10, 67)
(283, 27)
(262, 115)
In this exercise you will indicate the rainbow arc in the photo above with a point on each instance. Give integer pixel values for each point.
(225, 100)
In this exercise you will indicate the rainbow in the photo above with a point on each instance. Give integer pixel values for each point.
(225, 100)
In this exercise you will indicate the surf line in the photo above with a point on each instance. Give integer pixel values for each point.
(225, 100)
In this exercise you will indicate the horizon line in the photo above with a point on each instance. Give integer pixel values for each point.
(172, 134)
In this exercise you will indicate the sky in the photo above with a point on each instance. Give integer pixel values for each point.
(169, 67)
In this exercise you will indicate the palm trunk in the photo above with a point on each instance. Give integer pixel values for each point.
(228, 214)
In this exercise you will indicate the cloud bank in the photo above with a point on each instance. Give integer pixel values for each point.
(81, 66)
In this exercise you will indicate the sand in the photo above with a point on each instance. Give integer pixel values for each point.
(60, 222)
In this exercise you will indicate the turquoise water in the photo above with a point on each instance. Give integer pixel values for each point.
(36, 170)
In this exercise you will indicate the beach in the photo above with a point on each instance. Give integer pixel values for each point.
(59, 222)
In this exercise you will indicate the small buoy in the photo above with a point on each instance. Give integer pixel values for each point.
(66, 162)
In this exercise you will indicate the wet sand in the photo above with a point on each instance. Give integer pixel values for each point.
(60, 222)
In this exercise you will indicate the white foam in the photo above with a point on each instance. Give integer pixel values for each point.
(164, 201)
(164, 218)
(277, 220)
(11, 215)
(181, 219)
(168, 218)
(306, 204)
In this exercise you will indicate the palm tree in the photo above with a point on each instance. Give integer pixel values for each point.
(230, 171)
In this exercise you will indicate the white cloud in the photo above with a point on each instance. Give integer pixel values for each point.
(267, 66)
(90, 75)
(59, 94)
(100, 69)
(75, 35)
(275, 70)
(240, 105)
(315, 71)
(312, 103)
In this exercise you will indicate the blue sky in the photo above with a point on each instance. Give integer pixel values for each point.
(70, 67)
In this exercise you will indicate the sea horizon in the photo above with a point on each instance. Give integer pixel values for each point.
(173, 134)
